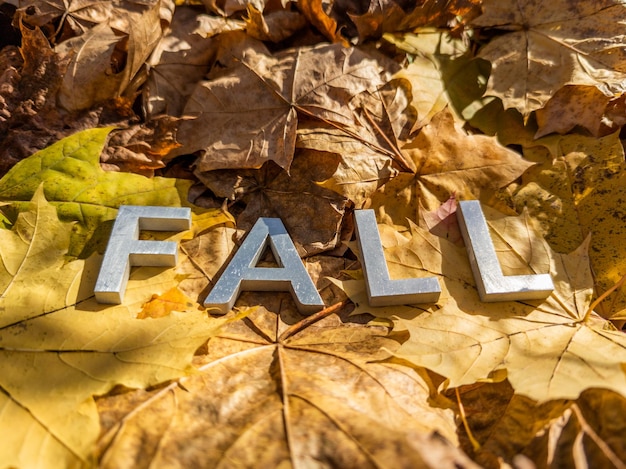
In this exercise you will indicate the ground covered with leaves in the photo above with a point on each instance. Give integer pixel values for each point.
(307, 111)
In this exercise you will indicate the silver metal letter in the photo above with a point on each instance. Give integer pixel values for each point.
(381, 290)
(241, 273)
(125, 248)
(491, 283)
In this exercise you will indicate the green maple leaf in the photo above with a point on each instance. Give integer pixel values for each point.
(80, 189)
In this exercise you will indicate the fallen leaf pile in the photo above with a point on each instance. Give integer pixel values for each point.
(308, 110)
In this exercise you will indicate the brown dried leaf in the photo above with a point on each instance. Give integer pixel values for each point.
(106, 59)
(370, 150)
(274, 26)
(504, 423)
(92, 76)
(587, 432)
(141, 148)
(248, 115)
(388, 16)
(312, 214)
(360, 169)
(178, 62)
(314, 11)
(379, 18)
(30, 80)
(570, 107)
(266, 397)
(448, 161)
(74, 17)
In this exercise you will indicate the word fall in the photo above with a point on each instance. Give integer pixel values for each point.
(241, 274)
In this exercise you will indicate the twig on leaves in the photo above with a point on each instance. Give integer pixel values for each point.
(313, 318)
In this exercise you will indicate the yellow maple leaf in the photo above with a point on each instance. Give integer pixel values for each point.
(577, 190)
(549, 349)
(58, 347)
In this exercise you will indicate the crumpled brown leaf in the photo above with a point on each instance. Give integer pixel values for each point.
(178, 62)
(385, 16)
(371, 152)
(274, 26)
(248, 114)
(29, 81)
(106, 59)
(315, 13)
(140, 148)
(313, 215)
(584, 432)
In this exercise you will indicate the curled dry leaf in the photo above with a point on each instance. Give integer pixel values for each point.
(30, 80)
(360, 21)
(379, 17)
(248, 115)
(315, 13)
(106, 59)
(560, 432)
(370, 151)
(360, 169)
(140, 148)
(178, 62)
(264, 397)
(274, 26)
(552, 44)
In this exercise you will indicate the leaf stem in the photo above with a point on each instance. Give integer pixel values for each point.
(604, 447)
(602, 297)
(473, 441)
(399, 157)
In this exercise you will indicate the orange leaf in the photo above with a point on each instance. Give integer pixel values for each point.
(162, 305)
